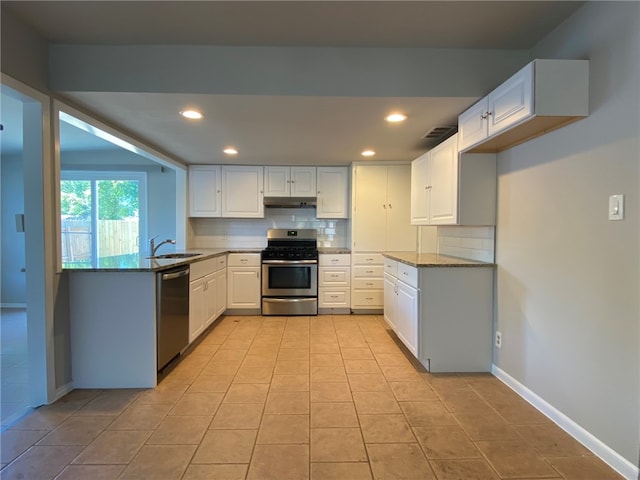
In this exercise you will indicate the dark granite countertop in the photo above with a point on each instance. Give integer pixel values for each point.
(140, 263)
(434, 260)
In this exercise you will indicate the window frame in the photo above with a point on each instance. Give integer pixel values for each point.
(94, 176)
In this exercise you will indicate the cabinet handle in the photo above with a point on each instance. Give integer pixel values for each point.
(390, 206)
(368, 259)
(369, 284)
(368, 298)
(384, 206)
(368, 271)
(334, 260)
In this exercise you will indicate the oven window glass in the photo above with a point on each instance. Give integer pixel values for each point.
(290, 277)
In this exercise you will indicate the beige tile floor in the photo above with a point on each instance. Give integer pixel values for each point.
(327, 397)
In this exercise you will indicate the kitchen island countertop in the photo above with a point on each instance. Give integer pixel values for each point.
(140, 263)
(434, 260)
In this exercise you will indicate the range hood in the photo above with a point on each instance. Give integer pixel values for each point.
(290, 202)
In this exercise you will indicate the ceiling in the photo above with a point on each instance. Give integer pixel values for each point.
(284, 129)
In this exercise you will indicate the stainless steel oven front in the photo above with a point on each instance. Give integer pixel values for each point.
(289, 287)
(290, 278)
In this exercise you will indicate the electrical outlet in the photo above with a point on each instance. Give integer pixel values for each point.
(499, 339)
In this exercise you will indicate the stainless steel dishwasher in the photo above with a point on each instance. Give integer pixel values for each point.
(172, 313)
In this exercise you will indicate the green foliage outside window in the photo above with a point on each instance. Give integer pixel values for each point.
(117, 199)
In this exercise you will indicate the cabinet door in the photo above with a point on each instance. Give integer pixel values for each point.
(221, 291)
(303, 181)
(512, 101)
(242, 192)
(400, 235)
(210, 298)
(204, 191)
(390, 301)
(333, 192)
(420, 190)
(370, 207)
(443, 166)
(196, 309)
(277, 181)
(243, 289)
(407, 316)
(473, 124)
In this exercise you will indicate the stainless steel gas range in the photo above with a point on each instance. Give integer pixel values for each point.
(290, 272)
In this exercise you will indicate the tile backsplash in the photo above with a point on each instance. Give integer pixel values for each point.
(252, 232)
(475, 243)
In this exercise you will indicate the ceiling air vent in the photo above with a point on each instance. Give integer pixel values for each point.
(441, 133)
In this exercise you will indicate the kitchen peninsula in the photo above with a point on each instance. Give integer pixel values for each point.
(113, 304)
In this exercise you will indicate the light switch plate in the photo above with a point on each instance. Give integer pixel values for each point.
(616, 207)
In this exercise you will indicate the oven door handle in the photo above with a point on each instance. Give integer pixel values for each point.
(289, 262)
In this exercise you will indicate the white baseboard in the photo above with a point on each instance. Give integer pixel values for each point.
(616, 461)
(63, 390)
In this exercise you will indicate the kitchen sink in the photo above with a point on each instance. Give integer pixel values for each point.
(174, 255)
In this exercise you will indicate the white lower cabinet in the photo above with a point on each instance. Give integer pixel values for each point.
(243, 287)
(367, 274)
(334, 283)
(207, 294)
(443, 315)
(401, 302)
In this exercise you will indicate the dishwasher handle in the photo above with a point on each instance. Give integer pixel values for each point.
(172, 275)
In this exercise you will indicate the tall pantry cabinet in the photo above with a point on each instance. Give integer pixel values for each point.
(381, 222)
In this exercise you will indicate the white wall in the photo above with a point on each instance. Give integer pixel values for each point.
(567, 278)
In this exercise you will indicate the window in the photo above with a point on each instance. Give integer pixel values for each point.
(103, 214)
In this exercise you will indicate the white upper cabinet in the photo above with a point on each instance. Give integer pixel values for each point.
(290, 181)
(542, 96)
(450, 188)
(443, 191)
(242, 191)
(204, 191)
(333, 192)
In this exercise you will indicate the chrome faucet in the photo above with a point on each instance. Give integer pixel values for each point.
(153, 248)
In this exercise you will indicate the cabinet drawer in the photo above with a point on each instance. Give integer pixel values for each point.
(391, 267)
(368, 271)
(334, 297)
(408, 274)
(202, 268)
(367, 259)
(221, 263)
(333, 276)
(329, 259)
(367, 283)
(243, 260)
(363, 298)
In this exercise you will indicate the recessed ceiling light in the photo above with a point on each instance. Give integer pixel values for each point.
(191, 114)
(395, 117)
(368, 153)
(230, 151)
